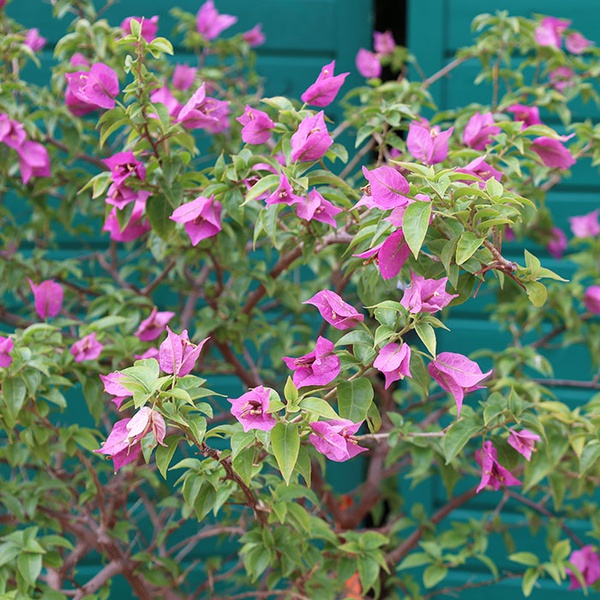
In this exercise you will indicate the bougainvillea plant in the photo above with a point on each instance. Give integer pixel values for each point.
(221, 361)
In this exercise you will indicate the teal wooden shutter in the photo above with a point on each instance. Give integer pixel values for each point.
(436, 29)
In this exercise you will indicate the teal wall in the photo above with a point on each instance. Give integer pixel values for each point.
(436, 30)
(301, 37)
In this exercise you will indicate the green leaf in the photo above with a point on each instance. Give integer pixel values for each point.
(14, 391)
(468, 243)
(457, 437)
(158, 211)
(164, 454)
(536, 292)
(160, 44)
(433, 574)
(427, 336)
(561, 550)
(30, 567)
(260, 187)
(8, 551)
(416, 559)
(525, 558)
(319, 407)
(536, 469)
(529, 579)
(415, 224)
(368, 571)
(589, 456)
(285, 441)
(355, 337)
(373, 418)
(140, 378)
(354, 399)
(243, 464)
(290, 391)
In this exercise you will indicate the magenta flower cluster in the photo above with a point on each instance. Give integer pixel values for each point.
(126, 174)
(34, 160)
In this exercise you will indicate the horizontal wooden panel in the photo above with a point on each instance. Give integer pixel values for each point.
(460, 90)
(460, 15)
(467, 335)
(308, 24)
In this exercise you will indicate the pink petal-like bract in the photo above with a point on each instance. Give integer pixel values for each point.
(384, 43)
(591, 299)
(479, 129)
(251, 408)
(311, 141)
(335, 311)
(6, 347)
(255, 36)
(492, 472)
(314, 207)
(426, 295)
(523, 441)
(457, 375)
(284, 194)
(530, 115)
(324, 90)
(154, 325)
(393, 361)
(394, 252)
(552, 153)
(48, 298)
(148, 29)
(177, 355)
(99, 87)
(319, 367)
(201, 218)
(558, 242)
(387, 187)
(123, 165)
(576, 43)
(184, 77)
(335, 439)
(367, 63)
(257, 126)
(34, 161)
(587, 562)
(210, 23)
(585, 226)
(87, 348)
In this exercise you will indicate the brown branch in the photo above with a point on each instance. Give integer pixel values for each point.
(285, 262)
(159, 278)
(451, 591)
(412, 540)
(546, 513)
(90, 159)
(371, 490)
(251, 500)
(97, 581)
(357, 157)
(249, 378)
(572, 383)
(445, 70)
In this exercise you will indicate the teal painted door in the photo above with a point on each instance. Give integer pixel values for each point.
(301, 37)
(436, 30)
